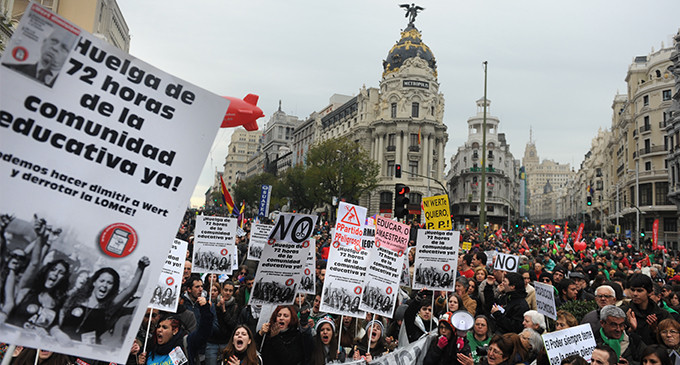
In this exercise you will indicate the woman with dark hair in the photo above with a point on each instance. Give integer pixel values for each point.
(480, 336)
(655, 355)
(375, 332)
(93, 309)
(508, 312)
(445, 349)
(170, 334)
(241, 350)
(35, 300)
(285, 341)
(28, 357)
(501, 352)
(326, 343)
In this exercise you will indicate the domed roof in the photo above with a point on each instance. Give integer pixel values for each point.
(410, 45)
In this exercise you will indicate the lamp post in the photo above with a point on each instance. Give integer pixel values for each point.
(637, 203)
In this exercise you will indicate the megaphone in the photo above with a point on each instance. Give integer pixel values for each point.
(462, 320)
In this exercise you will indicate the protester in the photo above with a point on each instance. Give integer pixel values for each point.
(508, 313)
(611, 333)
(566, 320)
(534, 320)
(373, 344)
(668, 334)
(284, 339)
(325, 343)
(655, 355)
(241, 349)
(643, 314)
(447, 345)
(418, 317)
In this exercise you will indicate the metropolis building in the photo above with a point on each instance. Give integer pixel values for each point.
(399, 123)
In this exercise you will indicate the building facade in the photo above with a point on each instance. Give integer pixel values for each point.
(242, 147)
(672, 123)
(501, 176)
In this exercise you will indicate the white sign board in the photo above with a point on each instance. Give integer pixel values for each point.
(214, 245)
(436, 260)
(308, 279)
(577, 340)
(545, 300)
(100, 152)
(167, 292)
(259, 235)
(506, 262)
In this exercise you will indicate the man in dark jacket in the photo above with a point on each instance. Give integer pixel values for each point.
(643, 314)
(627, 346)
(509, 311)
(418, 317)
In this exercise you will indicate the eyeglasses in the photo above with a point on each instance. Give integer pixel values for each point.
(620, 325)
(670, 332)
(546, 280)
(602, 296)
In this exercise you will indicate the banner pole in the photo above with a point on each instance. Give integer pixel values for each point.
(342, 321)
(148, 328)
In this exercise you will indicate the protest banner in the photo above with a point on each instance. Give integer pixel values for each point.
(283, 259)
(436, 260)
(308, 279)
(264, 314)
(437, 212)
(259, 235)
(214, 245)
(167, 292)
(405, 279)
(545, 300)
(99, 154)
(466, 246)
(413, 353)
(506, 262)
(347, 260)
(385, 260)
(490, 257)
(263, 204)
(577, 340)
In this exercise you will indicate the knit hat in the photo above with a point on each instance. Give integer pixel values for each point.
(325, 319)
(380, 324)
(446, 318)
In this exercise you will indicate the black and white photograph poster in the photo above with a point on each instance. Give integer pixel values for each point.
(166, 294)
(259, 235)
(345, 272)
(283, 260)
(436, 261)
(385, 261)
(99, 155)
(214, 245)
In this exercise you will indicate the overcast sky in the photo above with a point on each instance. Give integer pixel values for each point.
(553, 66)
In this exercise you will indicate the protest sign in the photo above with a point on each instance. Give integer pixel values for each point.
(405, 279)
(381, 282)
(99, 152)
(545, 300)
(259, 235)
(283, 259)
(346, 265)
(577, 340)
(506, 262)
(437, 212)
(214, 245)
(169, 283)
(412, 353)
(308, 279)
(466, 246)
(490, 257)
(264, 315)
(436, 260)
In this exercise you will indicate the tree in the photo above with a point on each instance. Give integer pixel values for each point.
(301, 189)
(248, 190)
(343, 169)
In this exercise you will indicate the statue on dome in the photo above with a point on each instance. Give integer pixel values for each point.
(411, 12)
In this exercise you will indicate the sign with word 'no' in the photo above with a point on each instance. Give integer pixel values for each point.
(505, 262)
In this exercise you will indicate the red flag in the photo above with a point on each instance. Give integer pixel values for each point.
(655, 235)
(228, 201)
(579, 234)
(566, 232)
(523, 243)
(499, 233)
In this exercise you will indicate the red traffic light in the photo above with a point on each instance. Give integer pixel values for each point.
(397, 171)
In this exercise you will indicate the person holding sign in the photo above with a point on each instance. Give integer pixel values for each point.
(326, 343)
(375, 337)
(511, 306)
(448, 345)
(418, 317)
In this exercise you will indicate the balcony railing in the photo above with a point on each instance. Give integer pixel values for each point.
(391, 148)
(414, 148)
(652, 149)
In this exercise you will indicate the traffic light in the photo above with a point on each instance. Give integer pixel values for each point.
(397, 171)
(589, 201)
(642, 233)
(401, 200)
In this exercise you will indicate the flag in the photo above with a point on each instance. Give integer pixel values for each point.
(228, 201)
(240, 214)
(524, 243)
(499, 233)
(419, 136)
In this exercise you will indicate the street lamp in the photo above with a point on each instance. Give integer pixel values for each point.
(637, 203)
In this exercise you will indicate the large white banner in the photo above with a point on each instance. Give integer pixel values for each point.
(283, 260)
(411, 354)
(167, 291)
(259, 235)
(577, 340)
(436, 260)
(545, 300)
(99, 154)
(381, 282)
(215, 245)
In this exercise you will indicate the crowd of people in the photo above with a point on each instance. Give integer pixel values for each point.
(629, 298)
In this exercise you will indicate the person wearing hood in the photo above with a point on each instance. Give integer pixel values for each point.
(448, 345)
(418, 317)
(509, 310)
(326, 343)
(373, 344)
(171, 336)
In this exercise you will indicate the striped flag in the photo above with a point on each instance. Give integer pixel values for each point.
(228, 201)
(240, 214)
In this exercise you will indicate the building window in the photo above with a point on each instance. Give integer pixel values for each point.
(475, 154)
(489, 208)
(391, 140)
(648, 166)
(414, 139)
(386, 197)
(393, 110)
(666, 95)
(415, 198)
(670, 225)
(645, 100)
(647, 125)
(474, 179)
(648, 145)
(415, 108)
(646, 194)
(413, 167)
(390, 168)
(491, 180)
(661, 193)
(473, 208)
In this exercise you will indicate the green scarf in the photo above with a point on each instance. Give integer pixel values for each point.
(474, 344)
(613, 342)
